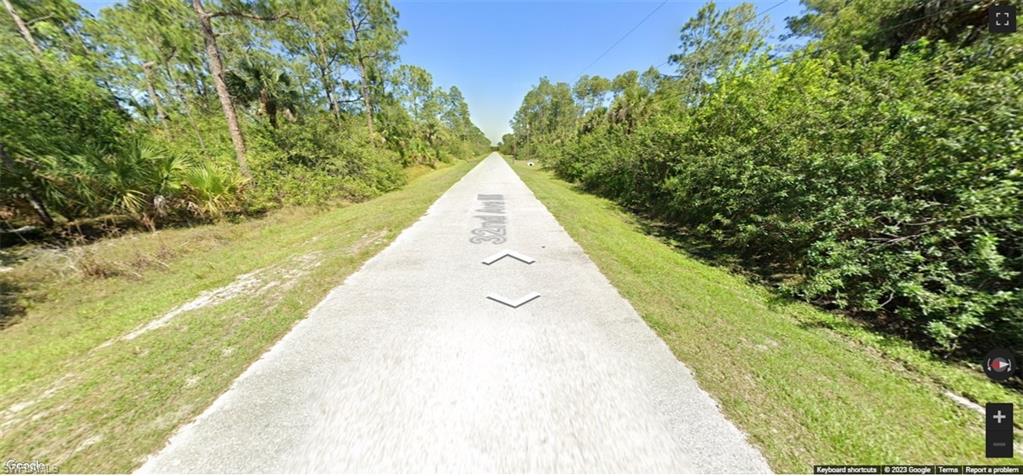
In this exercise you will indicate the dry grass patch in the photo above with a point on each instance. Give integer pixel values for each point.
(124, 340)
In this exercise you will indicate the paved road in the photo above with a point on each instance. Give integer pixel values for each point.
(409, 366)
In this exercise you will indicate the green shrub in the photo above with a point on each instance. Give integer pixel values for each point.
(49, 114)
(312, 162)
(890, 188)
(210, 193)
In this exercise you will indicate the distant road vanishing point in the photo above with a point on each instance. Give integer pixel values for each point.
(430, 359)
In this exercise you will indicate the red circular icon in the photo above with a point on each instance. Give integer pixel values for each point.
(1000, 364)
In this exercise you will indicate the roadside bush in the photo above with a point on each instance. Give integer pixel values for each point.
(893, 187)
(312, 162)
(210, 193)
(138, 179)
(890, 188)
(48, 113)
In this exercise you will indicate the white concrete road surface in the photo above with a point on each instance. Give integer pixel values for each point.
(409, 366)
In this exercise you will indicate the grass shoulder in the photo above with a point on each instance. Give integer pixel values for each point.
(807, 386)
(102, 367)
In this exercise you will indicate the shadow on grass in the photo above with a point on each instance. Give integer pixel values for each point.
(85, 231)
(18, 244)
(11, 308)
(706, 251)
(884, 333)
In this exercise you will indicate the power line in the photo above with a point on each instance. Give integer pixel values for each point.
(932, 14)
(772, 7)
(954, 6)
(849, 122)
(778, 61)
(762, 15)
(626, 35)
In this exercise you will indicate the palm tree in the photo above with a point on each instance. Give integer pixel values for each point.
(256, 80)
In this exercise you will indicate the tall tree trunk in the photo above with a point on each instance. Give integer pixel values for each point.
(217, 70)
(271, 113)
(8, 162)
(40, 209)
(33, 197)
(198, 84)
(147, 69)
(328, 87)
(323, 66)
(185, 101)
(268, 107)
(22, 27)
(365, 96)
(367, 101)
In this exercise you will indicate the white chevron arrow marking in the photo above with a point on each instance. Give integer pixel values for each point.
(514, 304)
(519, 256)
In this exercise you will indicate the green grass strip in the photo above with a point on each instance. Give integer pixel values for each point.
(68, 399)
(809, 387)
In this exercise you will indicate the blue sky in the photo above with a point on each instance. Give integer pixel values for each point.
(494, 51)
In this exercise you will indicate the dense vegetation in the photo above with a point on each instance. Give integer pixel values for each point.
(160, 111)
(877, 169)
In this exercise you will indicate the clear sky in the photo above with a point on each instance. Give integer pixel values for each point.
(494, 51)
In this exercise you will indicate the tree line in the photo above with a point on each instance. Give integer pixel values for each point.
(876, 169)
(170, 110)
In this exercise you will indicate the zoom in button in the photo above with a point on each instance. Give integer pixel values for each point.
(998, 430)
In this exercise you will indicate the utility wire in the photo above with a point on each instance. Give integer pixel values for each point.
(762, 15)
(626, 35)
(954, 6)
(850, 121)
(772, 7)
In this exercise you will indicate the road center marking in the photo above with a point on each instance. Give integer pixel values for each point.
(509, 253)
(513, 303)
